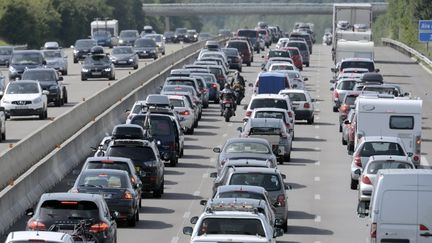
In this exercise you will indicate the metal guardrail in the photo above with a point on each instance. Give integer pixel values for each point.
(401, 47)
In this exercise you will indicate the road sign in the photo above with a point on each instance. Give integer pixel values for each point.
(425, 30)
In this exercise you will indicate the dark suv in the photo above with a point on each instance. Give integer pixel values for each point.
(252, 35)
(81, 48)
(49, 81)
(23, 60)
(180, 35)
(145, 156)
(66, 210)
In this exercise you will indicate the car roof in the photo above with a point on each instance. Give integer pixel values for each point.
(270, 109)
(36, 236)
(381, 138)
(269, 96)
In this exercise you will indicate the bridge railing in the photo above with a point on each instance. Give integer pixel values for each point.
(403, 48)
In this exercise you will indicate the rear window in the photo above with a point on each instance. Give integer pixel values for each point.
(73, 210)
(177, 103)
(160, 126)
(244, 147)
(140, 154)
(103, 181)
(269, 103)
(241, 194)
(248, 33)
(382, 90)
(300, 45)
(380, 165)
(294, 52)
(264, 131)
(279, 54)
(402, 122)
(297, 96)
(231, 226)
(114, 165)
(381, 148)
(358, 64)
(269, 114)
(346, 85)
(240, 45)
(270, 182)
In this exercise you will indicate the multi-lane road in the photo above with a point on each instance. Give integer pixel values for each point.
(322, 208)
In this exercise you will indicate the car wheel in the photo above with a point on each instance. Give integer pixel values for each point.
(206, 105)
(280, 160)
(310, 120)
(195, 124)
(287, 158)
(354, 184)
(137, 215)
(42, 115)
(75, 60)
(65, 72)
(158, 192)
(248, 64)
(216, 101)
(350, 148)
(156, 57)
(285, 226)
(140, 202)
(3, 136)
(135, 67)
(239, 69)
(58, 101)
(7, 117)
(191, 130)
(83, 78)
(132, 221)
(112, 77)
(307, 64)
(174, 161)
(340, 128)
(65, 97)
(163, 53)
(344, 142)
(181, 153)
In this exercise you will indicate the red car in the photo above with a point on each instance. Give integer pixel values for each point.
(295, 56)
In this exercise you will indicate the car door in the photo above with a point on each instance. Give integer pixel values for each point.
(424, 214)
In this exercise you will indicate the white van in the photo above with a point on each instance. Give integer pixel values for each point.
(401, 206)
(357, 49)
(392, 117)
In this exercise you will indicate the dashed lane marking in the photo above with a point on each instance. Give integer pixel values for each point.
(317, 197)
(318, 163)
(317, 178)
(316, 126)
(317, 219)
(196, 193)
(186, 215)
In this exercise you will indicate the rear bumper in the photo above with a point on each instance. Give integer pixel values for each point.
(303, 114)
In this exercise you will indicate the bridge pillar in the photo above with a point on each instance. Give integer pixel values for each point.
(167, 23)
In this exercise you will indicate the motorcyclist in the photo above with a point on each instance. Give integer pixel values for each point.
(238, 85)
(228, 93)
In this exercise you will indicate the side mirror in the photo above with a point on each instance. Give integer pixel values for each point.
(245, 119)
(45, 92)
(313, 100)
(332, 81)
(187, 230)
(377, 70)
(288, 187)
(216, 150)
(406, 94)
(60, 79)
(44, 62)
(240, 129)
(29, 212)
(194, 220)
(213, 175)
(283, 176)
(278, 232)
(115, 215)
(332, 88)
(305, 79)
(262, 56)
(357, 172)
(203, 202)
(410, 154)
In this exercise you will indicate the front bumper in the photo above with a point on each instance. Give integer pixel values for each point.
(146, 54)
(28, 111)
(96, 74)
(124, 63)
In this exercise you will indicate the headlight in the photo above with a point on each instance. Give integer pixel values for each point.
(12, 69)
(121, 41)
(113, 59)
(75, 51)
(195, 36)
(175, 36)
(130, 60)
(107, 69)
(37, 100)
(84, 70)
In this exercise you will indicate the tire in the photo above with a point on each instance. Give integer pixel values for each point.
(58, 102)
(280, 160)
(206, 105)
(65, 73)
(195, 125)
(285, 226)
(216, 101)
(132, 221)
(354, 184)
(340, 128)
(344, 142)
(112, 77)
(7, 117)
(83, 78)
(3, 135)
(248, 64)
(174, 161)
(335, 109)
(75, 60)
(227, 118)
(350, 148)
(307, 64)
(191, 130)
(181, 153)
(140, 202)
(42, 115)
(287, 158)
(310, 120)
(239, 69)
(135, 67)
(158, 193)
(65, 97)
(137, 218)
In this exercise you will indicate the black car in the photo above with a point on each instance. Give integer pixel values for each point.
(124, 56)
(115, 187)
(23, 60)
(180, 35)
(5, 54)
(49, 81)
(97, 65)
(146, 48)
(169, 37)
(66, 210)
(191, 36)
(145, 156)
(82, 48)
(128, 37)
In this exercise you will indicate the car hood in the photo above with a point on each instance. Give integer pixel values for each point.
(13, 97)
(24, 66)
(54, 60)
(122, 56)
(47, 85)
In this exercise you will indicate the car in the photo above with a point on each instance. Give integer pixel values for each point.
(5, 55)
(370, 146)
(169, 36)
(128, 37)
(147, 29)
(386, 88)
(57, 59)
(225, 33)
(278, 113)
(204, 36)
(188, 81)
(214, 54)
(304, 50)
(103, 38)
(282, 42)
(347, 104)
(146, 48)
(252, 35)
(185, 110)
(244, 148)
(243, 48)
(278, 53)
(295, 56)
(268, 101)
(38, 236)
(187, 91)
(231, 226)
(50, 81)
(369, 175)
(212, 85)
(97, 65)
(124, 56)
(271, 180)
(276, 60)
(266, 36)
(82, 48)
(24, 59)
(273, 130)
(302, 104)
(115, 187)
(180, 35)
(347, 126)
(191, 36)
(160, 41)
(304, 36)
(25, 98)
(205, 96)
(145, 156)
(342, 87)
(66, 210)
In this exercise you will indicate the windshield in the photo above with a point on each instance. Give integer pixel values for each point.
(231, 226)
(97, 59)
(52, 54)
(128, 34)
(247, 147)
(27, 58)
(275, 67)
(270, 182)
(269, 114)
(358, 64)
(181, 31)
(237, 44)
(279, 54)
(40, 75)
(6, 51)
(380, 165)
(145, 43)
(121, 50)
(177, 103)
(159, 125)
(381, 148)
(346, 85)
(156, 38)
(264, 131)
(114, 165)
(85, 44)
(22, 88)
(73, 210)
(136, 154)
(269, 103)
(101, 34)
(102, 180)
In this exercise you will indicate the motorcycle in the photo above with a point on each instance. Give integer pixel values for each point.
(228, 109)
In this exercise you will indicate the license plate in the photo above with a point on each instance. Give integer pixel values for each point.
(21, 107)
(107, 196)
(122, 62)
(96, 73)
(227, 105)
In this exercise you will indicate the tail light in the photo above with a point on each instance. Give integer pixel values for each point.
(36, 225)
(184, 113)
(336, 94)
(97, 228)
(306, 105)
(357, 160)
(248, 113)
(127, 195)
(214, 85)
(422, 227)
(373, 231)
(290, 114)
(133, 180)
(418, 144)
(281, 200)
(366, 180)
(344, 108)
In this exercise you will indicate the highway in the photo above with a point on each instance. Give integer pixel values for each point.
(20, 127)
(322, 208)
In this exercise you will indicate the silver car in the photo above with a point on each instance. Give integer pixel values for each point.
(57, 59)
(342, 87)
(160, 41)
(186, 112)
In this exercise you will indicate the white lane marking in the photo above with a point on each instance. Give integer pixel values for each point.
(317, 149)
(425, 68)
(317, 178)
(424, 161)
(318, 96)
(212, 160)
(186, 215)
(318, 163)
(175, 239)
(317, 219)
(196, 193)
(205, 175)
(318, 102)
(317, 110)
(317, 241)
(317, 197)
(224, 135)
(317, 137)
(316, 126)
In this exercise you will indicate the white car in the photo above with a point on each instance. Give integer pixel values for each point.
(302, 104)
(185, 110)
(281, 66)
(370, 172)
(269, 101)
(39, 236)
(276, 113)
(25, 98)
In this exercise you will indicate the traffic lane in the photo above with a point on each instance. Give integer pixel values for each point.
(18, 128)
(413, 78)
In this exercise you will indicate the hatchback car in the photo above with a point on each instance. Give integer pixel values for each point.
(371, 146)
(124, 56)
(185, 110)
(65, 210)
(243, 48)
(234, 59)
(277, 113)
(128, 37)
(115, 187)
(146, 48)
(25, 98)
(302, 104)
(268, 101)
(347, 104)
(341, 88)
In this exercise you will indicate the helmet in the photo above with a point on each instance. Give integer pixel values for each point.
(227, 86)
